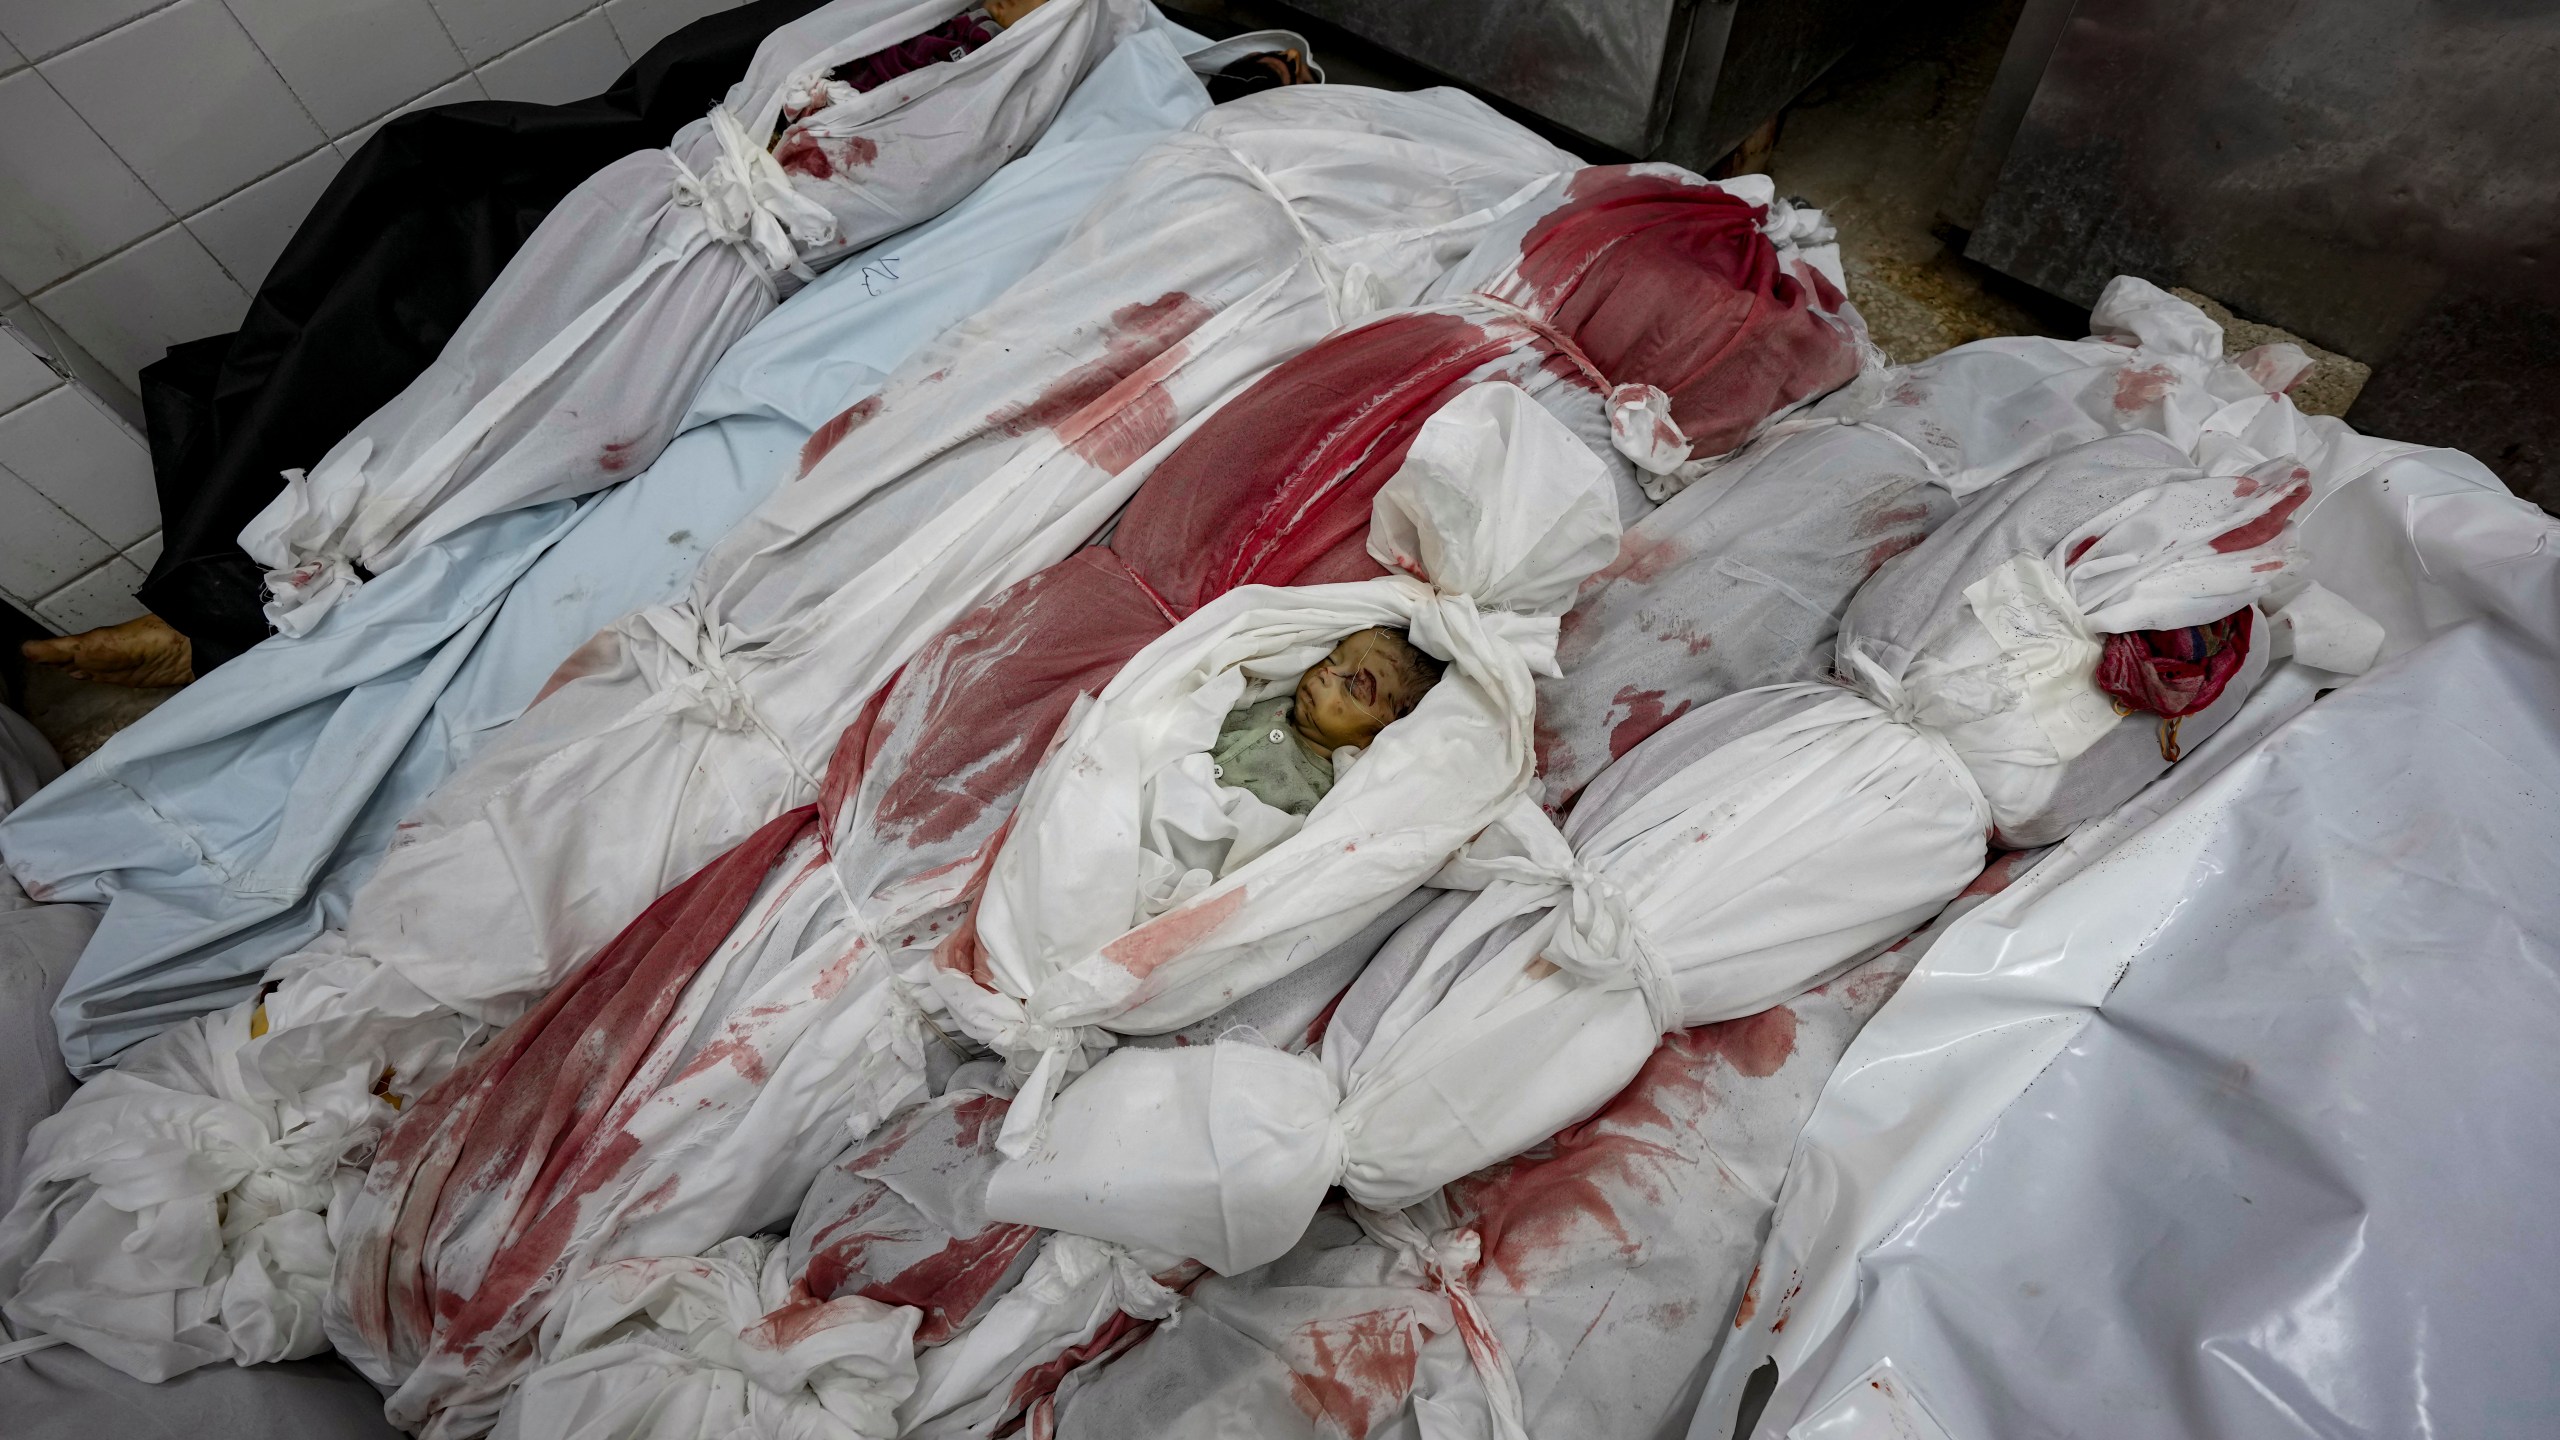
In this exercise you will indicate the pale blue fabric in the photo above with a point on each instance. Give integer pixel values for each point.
(233, 824)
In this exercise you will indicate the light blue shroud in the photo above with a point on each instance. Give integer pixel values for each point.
(234, 823)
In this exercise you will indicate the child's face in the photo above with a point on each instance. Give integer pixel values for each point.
(1006, 12)
(1371, 680)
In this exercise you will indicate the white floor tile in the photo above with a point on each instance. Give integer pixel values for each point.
(248, 230)
(487, 29)
(41, 548)
(352, 60)
(129, 308)
(145, 552)
(188, 100)
(23, 373)
(104, 596)
(575, 61)
(65, 199)
(466, 88)
(643, 23)
(38, 331)
(81, 458)
(38, 28)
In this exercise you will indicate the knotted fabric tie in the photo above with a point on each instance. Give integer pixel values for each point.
(1443, 1259)
(1598, 935)
(706, 683)
(748, 201)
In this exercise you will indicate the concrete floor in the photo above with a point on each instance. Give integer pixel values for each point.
(1875, 143)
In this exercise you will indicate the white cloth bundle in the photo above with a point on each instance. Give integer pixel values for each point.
(1199, 269)
(1981, 412)
(1605, 1262)
(993, 454)
(786, 1039)
(1746, 852)
(171, 1218)
(727, 1350)
(572, 371)
(898, 1220)
(1990, 632)
(1101, 909)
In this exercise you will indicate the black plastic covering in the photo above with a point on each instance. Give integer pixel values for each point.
(383, 270)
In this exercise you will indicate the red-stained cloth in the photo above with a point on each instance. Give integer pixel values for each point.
(1275, 488)
(1667, 282)
(537, 1114)
(2171, 673)
(901, 1218)
(950, 40)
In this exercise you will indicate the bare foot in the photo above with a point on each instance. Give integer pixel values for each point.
(145, 653)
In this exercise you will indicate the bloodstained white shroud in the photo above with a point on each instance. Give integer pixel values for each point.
(571, 372)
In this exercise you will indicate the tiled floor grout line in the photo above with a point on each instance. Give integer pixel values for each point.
(35, 60)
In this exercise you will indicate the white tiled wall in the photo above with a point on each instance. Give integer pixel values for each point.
(155, 156)
(78, 522)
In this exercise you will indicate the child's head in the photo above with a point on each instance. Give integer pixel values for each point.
(1371, 680)
(1006, 12)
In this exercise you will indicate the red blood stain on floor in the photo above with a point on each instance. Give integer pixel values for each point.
(1356, 1370)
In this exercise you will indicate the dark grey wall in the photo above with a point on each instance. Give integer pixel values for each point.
(2379, 176)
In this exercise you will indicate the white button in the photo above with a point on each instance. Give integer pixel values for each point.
(1278, 736)
(1217, 772)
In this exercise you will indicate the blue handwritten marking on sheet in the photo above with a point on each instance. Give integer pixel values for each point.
(879, 274)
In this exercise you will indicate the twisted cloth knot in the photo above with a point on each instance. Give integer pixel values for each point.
(748, 201)
(1443, 1258)
(1598, 935)
(702, 680)
(1046, 1055)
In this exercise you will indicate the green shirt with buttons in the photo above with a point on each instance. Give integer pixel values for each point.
(1259, 753)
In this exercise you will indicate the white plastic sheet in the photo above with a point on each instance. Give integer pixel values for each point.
(571, 372)
(2325, 810)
